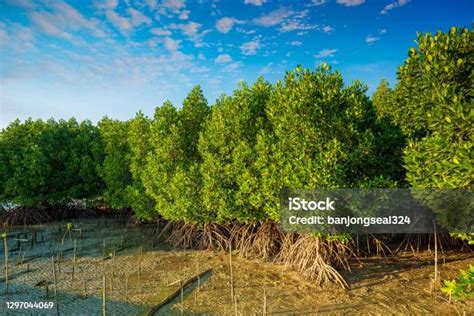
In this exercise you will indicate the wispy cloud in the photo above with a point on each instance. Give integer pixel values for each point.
(106, 4)
(317, 3)
(296, 25)
(174, 5)
(232, 66)
(137, 17)
(273, 18)
(350, 3)
(296, 43)
(327, 29)
(265, 69)
(324, 53)
(184, 15)
(251, 47)
(393, 5)
(121, 23)
(255, 2)
(223, 58)
(171, 44)
(59, 19)
(225, 24)
(370, 39)
(160, 31)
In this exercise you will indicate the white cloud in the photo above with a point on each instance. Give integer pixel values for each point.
(382, 31)
(393, 5)
(189, 29)
(326, 53)
(255, 2)
(296, 25)
(327, 29)
(106, 4)
(174, 5)
(369, 39)
(17, 36)
(184, 15)
(296, 43)
(350, 3)
(232, 66)
(223, 58)
(317, 3)
(171, 44)
(251, 47)
(265, 69)
(160, 31)
(61, 18)
(273, 18)
(120, 22)
(226, 24)
(138, 18)
(288, 20)
(152, 4)
(45, 21)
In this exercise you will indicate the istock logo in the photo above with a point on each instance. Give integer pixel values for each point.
(296, 204)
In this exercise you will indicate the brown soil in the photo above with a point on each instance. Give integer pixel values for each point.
(142, 274)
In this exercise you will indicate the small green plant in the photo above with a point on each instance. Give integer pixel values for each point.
(460, 289)
(469, 237)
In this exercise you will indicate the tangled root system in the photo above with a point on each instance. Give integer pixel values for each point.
(210, 236)
(257, 241)
(314, 257)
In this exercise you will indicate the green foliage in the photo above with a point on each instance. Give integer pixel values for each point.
(115, 170)
(231, 181)
(434, 109)
(469, 237)
(172, 176)
(323, 135)
(49, 162)
(462, 287)
(138, 139)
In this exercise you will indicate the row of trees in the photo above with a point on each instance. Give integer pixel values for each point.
(229, 162)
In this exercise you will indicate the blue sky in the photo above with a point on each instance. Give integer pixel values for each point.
(114, 57)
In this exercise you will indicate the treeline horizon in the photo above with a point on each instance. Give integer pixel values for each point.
(228, 162)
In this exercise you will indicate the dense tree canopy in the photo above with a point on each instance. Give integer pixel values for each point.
(172, 176)
(50, 162)
(228, 162)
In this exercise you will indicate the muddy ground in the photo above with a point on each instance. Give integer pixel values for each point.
(140, 274)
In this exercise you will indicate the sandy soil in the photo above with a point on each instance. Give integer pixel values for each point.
(141, 273)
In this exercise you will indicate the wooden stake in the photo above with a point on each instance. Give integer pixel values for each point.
(126, 287)
(74, 260)
(55, 287)
(5, 243)
(104, 296)
(264, 302)
(232, 295)
(436, 252)
(232, 290)
(182, 297)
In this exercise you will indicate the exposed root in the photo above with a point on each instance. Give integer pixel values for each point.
(210, 236)
(37, 215)
(417, 242)
(214, 237)
(257, 241)
(313, 257)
